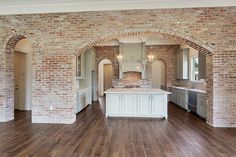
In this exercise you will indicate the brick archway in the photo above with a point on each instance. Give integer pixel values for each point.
(178, 37)
(150, 32)
(7, 78)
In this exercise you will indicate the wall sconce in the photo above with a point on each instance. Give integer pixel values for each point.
(119, 58)
(150, 57)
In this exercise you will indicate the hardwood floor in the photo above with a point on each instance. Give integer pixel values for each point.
(92, 135)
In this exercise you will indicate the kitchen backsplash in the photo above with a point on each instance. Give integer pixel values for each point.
(191, 84)
(131, 77)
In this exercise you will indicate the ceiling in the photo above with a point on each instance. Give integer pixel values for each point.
(8, 7)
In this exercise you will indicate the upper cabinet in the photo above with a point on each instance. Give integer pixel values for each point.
(182, 64)
(202, 66)
(80, 66)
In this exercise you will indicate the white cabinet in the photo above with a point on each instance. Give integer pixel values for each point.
(201, 105)
(122, 104)
(83, 98)
(136, 105)
(202, 65)
(158, 107)
(80, 66)
(115, 104)
(128, 102)
(179, 97)
(182, 64)
(144, 104)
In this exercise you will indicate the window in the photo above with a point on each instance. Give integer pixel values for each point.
(194, 68)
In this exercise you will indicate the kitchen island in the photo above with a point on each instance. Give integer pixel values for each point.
(136, 102)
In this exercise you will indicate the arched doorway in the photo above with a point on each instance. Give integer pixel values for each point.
(181, 38)
(22, 75)
(7, 71)
(105, 74)
(158, 74)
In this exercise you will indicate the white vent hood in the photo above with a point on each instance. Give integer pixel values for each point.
(134, 59)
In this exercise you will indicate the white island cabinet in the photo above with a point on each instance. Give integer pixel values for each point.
(136, 102)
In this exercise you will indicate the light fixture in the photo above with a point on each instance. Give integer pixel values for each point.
(150, 57)
(119, 58)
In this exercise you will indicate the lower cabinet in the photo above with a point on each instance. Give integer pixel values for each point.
(128, 104)
(83, 98)
(144, 104)
(115, 104)
(136, 105)
(158, 105)
(179, 97)
(201, 105)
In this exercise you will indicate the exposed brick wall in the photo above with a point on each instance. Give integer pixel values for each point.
(131, 77)
(54, 35)
(166, 54)
(108, 52)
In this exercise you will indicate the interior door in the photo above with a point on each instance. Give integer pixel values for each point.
(19, 80)
(108, 73)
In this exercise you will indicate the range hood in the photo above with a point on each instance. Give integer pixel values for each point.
(134, 59)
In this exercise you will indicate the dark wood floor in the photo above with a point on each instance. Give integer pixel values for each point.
(92, 135)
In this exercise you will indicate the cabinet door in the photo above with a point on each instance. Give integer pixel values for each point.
(80, 66)
(201, 105)
(78, 102)
(129, 104)
(158, 105)
(172, 96)
(83, 99)
(178, 65)
(114, 106)
(88, 96)
(144, 104)
(182, 64)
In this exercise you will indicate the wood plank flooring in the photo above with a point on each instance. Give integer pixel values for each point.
(92, 135)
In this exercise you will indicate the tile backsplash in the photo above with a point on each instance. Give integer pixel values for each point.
(131, 77)
(191, 84)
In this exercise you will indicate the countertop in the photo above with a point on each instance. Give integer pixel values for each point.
(189, 89)
(137, 90)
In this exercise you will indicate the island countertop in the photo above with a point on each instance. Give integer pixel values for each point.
(137, 90)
